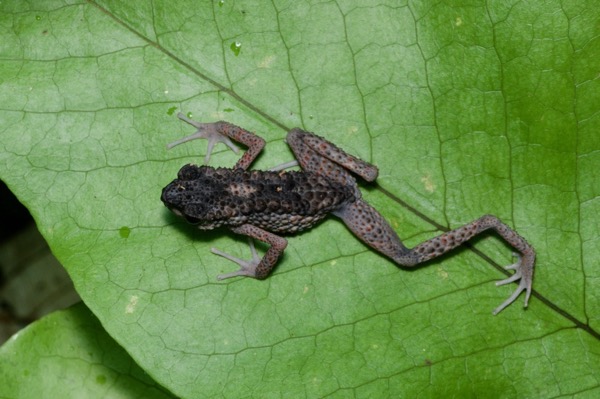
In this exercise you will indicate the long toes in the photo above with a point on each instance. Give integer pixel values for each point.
(241, 272)
(247, 267)
(514, 266)
(232, 258)
(510, 300)
(208, 131)
(512, 278)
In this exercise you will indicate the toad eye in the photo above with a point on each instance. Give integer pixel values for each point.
(194, 212)
(188, 172)
(191, 219)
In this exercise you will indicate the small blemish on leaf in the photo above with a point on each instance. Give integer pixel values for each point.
(428, 183)
(171, 110)
(442, 273)
(236, 47)
(38, 18)
(101, 379)
(221, 2)
(352, 129)
(458, 21)
(130, 308)
(228, 110)
(266, 62)
(124, 232)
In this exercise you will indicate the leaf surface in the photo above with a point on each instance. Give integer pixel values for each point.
(467, 109)
(68, 355)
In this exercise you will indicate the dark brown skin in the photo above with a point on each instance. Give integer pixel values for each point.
(260, 203)
(281, 202)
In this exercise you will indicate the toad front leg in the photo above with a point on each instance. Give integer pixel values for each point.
(256, 267)
(223, 132)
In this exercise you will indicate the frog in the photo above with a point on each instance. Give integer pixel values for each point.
(266, 204)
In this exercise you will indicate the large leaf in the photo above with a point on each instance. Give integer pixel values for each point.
(68, 355)
(467, 108)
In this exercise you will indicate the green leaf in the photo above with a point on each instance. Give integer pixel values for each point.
(467, 108)
(68, 355)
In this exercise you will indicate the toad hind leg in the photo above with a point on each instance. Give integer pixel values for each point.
(256, 268)
(368, 225)
(317, 155)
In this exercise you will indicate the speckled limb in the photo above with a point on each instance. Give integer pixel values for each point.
(222, 132)
(257, 268)
(445, 242)
(314, 153)
(368, 225)
(317, 155)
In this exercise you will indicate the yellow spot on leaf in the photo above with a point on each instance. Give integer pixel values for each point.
(266, 62)
(428, 183)
(130, 308)
(442, 273)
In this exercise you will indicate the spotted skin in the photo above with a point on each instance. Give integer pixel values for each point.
(259, 204)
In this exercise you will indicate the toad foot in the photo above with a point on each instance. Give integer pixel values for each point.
(247, 267)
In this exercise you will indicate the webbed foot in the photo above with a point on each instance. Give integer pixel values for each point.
(524, 273)
(206, 131)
